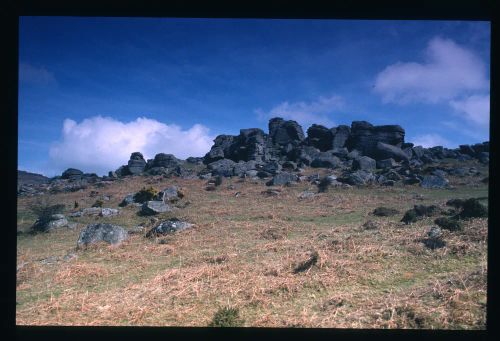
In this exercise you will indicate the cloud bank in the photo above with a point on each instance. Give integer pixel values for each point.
(99, 144)
(475, 108)
(306, 113)
(449, 71)
(431, 140)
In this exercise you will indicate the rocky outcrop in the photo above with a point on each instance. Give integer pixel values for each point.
(365, 136)
(72, 174)
(94, 233)
(136, 164)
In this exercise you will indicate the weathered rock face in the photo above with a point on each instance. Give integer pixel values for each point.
(220, 149)
(249, 145)
(326, 160)
(93, 233)
(340, 136)
(284, 132)
(364, 163)
(136, 164)
(386, 151)
(72, 174)
(224, 167)
(319, 137)
(166, 161)
(365, 136)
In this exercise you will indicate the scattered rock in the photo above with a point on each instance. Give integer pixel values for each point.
(170, 194)
(434, 240)
(109, 212)
(282, 178)
(306, 195)
(434, 181)
(168, 226)
(154, 207)
(93, 233)
(129, 199)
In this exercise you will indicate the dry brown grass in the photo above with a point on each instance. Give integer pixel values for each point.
(242, 253)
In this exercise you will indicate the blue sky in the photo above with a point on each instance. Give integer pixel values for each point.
(93, 90)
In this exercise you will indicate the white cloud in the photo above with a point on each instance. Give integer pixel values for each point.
(475, 108)
(449, 70)
(35, 75)
(431, 140)
(306, 113)
(99, 144)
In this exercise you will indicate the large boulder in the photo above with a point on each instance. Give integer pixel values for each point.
(220, 149)
(282, 178)
(326, 160)
(284, 132)
(364, 163)
(168, 226)
(170, 194)
(365, 136)
(55, 221)
(136, 164)
(386, 151)
(154, 207)
(358, 178)
(224, 167)
(319, 137)
(165, 160)
(72, 174)
(93, 233)
(249, 145)
(340, 135)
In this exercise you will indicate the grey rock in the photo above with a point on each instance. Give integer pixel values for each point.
(170, 194)
(386, 163)
(319, 137)
(91, 211)
(283, 132)
(62, 222)
(129, 199)
(306, 195)
(364, 137)
(364, 163)
(359, 178)
(433, 181)
(340, 136)
(72, 174)
(93, 233)
(386, 151)
(109, 212)
(224, 167)
(168, 226)
(168, 161)
(154, 207)
(283, 178)
(136, 164)
(326, 160)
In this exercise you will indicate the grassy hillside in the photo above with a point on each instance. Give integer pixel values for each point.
(242, 253)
